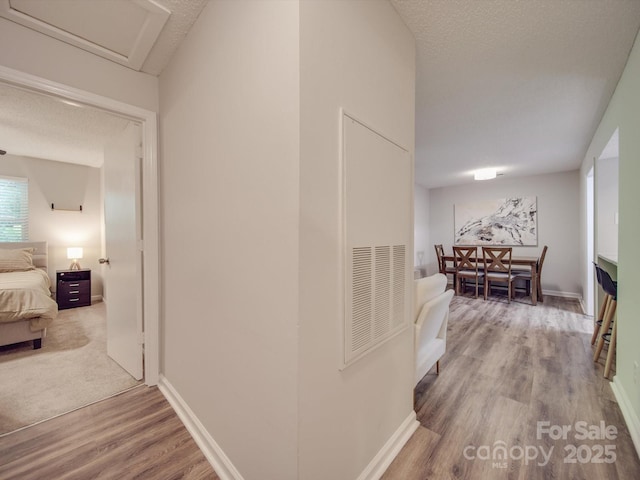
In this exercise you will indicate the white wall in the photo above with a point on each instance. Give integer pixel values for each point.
(65, 185)
(624, 112)
(37, 54)
(606, 184)
(251, 181)
(558, 221)
(230, 195)
(360, 56)
(421, 223)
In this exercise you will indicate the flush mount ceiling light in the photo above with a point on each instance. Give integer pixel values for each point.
(485, 174)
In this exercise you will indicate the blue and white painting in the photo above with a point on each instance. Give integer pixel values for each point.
(505, 221)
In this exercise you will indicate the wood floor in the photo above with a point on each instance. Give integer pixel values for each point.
(133, 435)
(508, 367)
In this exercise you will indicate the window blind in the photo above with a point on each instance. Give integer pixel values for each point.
(14, 209)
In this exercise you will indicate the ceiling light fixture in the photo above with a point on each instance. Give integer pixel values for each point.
(485, 174)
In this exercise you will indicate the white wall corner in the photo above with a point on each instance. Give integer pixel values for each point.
(391, 448)
(583, 306)
(211, 450)
(629, 414)
(96, 299)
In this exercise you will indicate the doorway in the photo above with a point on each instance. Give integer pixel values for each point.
(148, 246)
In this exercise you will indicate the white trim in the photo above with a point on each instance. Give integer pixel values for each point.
(630, 416)
(211, 450)
(556, 293)
(151, 254)
(582, 306)
(390, 450)
(96, 299)
(151, 257)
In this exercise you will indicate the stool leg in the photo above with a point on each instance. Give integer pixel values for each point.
(612, 348)
(611, 310)
(596, 326)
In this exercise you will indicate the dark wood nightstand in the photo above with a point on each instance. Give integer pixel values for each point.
(73, 288)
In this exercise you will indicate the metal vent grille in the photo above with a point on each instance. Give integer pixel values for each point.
(361, 300)
(377, 298)
(382, 293)
(399, 255)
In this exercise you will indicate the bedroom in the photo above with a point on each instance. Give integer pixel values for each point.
(65, 209)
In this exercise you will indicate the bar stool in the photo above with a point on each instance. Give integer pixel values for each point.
(611, 288)
(603, 308)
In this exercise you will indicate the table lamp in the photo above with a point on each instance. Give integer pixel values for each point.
(74, 253)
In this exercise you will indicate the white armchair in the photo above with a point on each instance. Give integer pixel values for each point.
(431, 316)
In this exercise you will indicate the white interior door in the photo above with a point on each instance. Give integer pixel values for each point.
(123, 272)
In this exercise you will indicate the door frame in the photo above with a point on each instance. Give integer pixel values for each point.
(150, 227)
(590, 297)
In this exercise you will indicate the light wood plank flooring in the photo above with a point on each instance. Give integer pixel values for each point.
(133, 435)
(508, 367)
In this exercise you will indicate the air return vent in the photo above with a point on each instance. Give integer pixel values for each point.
(377, 230)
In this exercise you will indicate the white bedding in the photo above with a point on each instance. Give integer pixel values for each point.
(26, 295)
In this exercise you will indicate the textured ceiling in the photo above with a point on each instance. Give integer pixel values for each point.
(41, 126)
(183, 14)
(517, 85)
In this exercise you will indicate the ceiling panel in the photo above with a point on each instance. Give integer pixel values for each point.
(123, 31)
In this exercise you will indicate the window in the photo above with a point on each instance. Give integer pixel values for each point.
(14, 209)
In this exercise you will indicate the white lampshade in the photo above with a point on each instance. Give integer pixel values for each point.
(73, 253)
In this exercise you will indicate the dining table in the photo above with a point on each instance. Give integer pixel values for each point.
(516, 261)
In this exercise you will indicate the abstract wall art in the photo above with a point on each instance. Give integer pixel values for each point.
(506, 221)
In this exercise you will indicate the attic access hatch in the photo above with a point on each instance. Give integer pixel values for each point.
(378, 224)
(123, 31)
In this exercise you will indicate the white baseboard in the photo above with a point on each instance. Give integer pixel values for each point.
(582, 306)
(388, 452)
(211, 450)
(96, 299)
(630, 416)
(226, 470)
(556, 293)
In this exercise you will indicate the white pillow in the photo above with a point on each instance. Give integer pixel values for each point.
(19, 260)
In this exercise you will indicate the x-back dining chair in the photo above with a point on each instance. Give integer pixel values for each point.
(442, 264)
(466, 263)
(497, 268)
(526, 275)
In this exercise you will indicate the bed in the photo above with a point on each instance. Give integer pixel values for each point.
(26, 305)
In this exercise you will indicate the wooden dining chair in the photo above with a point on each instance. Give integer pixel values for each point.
(442, 264)
(466, 263)
(497, 268)
(526, 275)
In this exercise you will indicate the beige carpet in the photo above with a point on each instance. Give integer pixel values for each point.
(71, 370)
